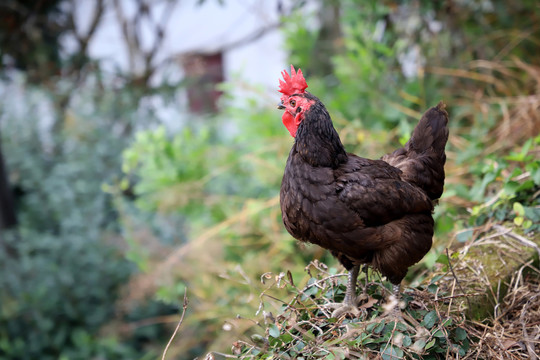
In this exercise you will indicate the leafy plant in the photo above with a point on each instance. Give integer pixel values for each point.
(516, 178)
(305, 329)
(64, 267)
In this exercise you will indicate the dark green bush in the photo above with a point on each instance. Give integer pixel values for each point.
(63, 267)
(57, 292)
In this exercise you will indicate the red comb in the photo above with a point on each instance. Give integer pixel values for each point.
(293, 84)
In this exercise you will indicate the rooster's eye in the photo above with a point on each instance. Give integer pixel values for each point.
(293, 103)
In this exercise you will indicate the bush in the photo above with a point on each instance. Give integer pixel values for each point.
(64, 266)
(57, 292)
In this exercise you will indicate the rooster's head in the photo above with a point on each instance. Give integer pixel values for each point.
(293, 101)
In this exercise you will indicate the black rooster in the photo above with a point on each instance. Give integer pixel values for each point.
(376, 212)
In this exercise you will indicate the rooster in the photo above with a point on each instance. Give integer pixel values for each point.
(374, 212)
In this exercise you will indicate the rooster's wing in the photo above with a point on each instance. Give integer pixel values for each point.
(375, 191)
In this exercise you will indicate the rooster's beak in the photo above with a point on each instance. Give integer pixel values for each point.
(280, 106)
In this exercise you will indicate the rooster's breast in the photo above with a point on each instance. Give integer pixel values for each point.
(310, 207)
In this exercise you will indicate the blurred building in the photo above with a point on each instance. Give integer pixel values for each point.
(203, 42)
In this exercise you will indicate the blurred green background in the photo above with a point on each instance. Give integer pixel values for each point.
(109, 213)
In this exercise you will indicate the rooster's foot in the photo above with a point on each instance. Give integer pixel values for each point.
(347, 307)
(396, 315)
(341, 309)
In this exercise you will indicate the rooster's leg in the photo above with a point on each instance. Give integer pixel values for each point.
(349, 304)
(350, 293)
(396, 290)
(393, 310)
(365, 269)
(392, 306)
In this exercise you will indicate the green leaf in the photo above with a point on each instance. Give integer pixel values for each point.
(447, 322)
(461, 334)
(311, 291)
(524, 186)
(371, 326)
(299, 346)
(391, 352)
(367, 340)
(478, 190)
(407, 341)
(532, 213)
(401, 326)
(439, 333)
(257, 339)
(379, 328)
(510, 188)
(442, 259)
(286, 338)
(535, 173)
(419, 345)
(437, 277)
(430, 344)
(464, 235)
(518, 208)
(273, 331)
(337, 353)
(309, 336)
(430, 319)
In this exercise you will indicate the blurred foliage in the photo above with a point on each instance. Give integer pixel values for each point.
(49, 297)
(30, 34)
(64, 266)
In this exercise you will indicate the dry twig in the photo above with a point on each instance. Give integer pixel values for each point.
(184, 307)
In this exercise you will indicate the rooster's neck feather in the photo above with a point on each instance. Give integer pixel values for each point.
(317, 142)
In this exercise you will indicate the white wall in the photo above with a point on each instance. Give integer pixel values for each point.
(192, 27)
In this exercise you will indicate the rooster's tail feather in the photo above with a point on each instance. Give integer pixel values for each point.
(422, 158)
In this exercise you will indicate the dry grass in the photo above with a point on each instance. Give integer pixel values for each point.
(505, 92)
(515, 333)
(500, 264)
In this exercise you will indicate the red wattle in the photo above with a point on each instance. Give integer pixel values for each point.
(290, 122)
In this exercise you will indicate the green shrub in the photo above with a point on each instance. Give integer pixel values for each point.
(57, 292)
(63, 267)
